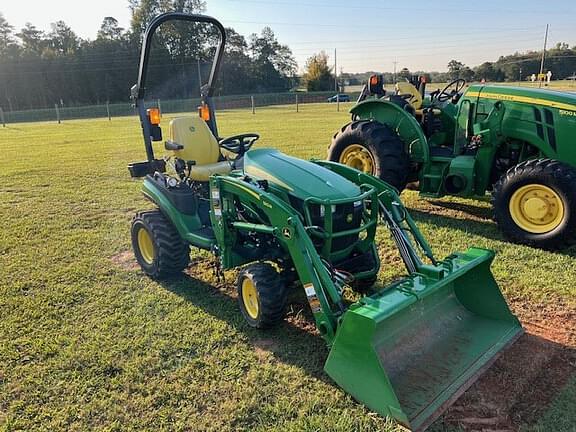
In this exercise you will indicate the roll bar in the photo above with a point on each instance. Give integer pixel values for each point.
(208, 90)
(139, 89)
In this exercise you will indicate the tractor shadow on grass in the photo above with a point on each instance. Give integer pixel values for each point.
(484, 213)
(294, 341)
(445, 215)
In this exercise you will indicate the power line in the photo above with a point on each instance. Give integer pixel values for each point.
(412, 36)
(429, 53)
(319, 25)
(411, 9)
(535, 59)
(411, 47)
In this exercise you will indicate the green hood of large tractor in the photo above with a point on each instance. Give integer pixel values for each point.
(298, 177)
(533, 96)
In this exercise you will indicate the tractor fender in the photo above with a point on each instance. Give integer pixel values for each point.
(184, 222)
(400, 121)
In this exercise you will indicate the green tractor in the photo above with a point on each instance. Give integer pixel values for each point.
(406, 350)
(518, 143)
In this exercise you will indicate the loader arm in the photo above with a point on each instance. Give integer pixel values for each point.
(395, 216)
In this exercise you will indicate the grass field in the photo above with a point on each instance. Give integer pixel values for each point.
(89, 343)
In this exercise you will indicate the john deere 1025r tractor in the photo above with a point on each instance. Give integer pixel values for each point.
(406, 350)
(519, 143)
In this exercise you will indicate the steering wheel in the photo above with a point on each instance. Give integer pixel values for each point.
(444, 95)
(239, 144)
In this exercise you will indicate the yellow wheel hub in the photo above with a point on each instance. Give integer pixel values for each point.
(537, 208)
(358, 157)
(250, 298)
(146, 245)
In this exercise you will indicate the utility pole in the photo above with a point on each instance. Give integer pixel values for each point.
(335, 73)
(520, 75)
(336, 83)
(394, 79)
(543, 56)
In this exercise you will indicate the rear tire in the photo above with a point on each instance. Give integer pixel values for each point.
(157, 245)
(374, 148)
(262, 295)
(535, 204)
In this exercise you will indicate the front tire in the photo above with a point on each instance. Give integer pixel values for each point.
(373, 148)
(157, 245)
(262, 295)
(535, 204)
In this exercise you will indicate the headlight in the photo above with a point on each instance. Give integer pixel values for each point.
(323, 212)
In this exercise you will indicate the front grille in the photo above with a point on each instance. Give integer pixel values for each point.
(344, 217)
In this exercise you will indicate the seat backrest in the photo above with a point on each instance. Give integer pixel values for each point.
(406, 88)
(195, 136)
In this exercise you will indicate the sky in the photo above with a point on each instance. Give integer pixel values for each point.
(378, 35)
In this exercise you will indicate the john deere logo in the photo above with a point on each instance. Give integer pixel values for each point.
(192, 129)
(349, 218)
(287, 233)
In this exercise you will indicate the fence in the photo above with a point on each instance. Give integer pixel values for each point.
(63, 113)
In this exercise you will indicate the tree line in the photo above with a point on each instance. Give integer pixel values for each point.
(560, 60)
(39, 69)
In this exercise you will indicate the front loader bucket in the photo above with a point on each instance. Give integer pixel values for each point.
(413, 349)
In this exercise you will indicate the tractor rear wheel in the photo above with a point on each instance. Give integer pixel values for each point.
(535, 204)
(373, 148)
(157, 245)
(262, 295)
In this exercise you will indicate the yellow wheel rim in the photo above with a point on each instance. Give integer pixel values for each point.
(537, 208)
(358, 157)
(250, 298)
(146, 245)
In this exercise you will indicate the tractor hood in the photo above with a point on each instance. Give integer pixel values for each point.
(298, 177)
(533, 96)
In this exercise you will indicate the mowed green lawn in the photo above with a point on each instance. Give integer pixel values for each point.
(87, 342)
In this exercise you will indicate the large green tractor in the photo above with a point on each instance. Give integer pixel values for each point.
(519, 143)
(406, 350)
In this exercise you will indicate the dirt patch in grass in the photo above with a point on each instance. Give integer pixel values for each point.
(553, 322)
(125, 260)
(528, 376)
(265, 349)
